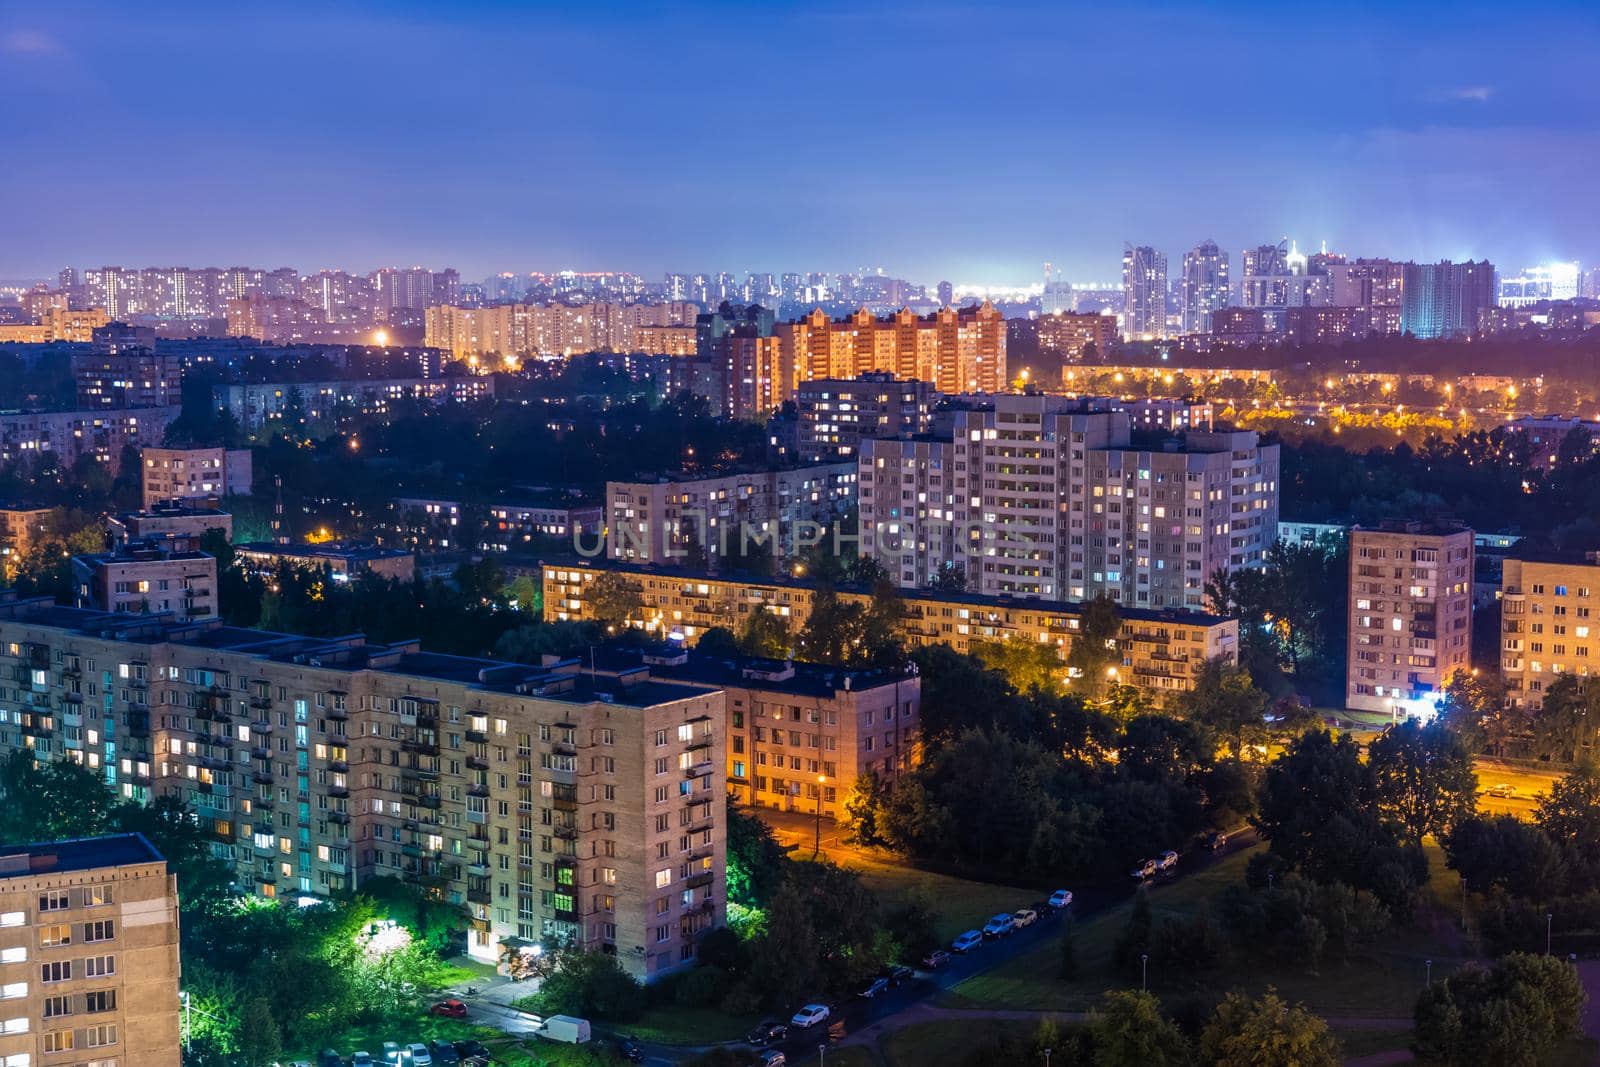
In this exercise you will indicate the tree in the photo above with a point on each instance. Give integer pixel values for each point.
(1266, 1032)
(1513, 1013)
(719, 643)
(1570, 815)
(259, 1038)
(1567, 722)
(613, 599)
(1503, 852)
(1128, 1030)
(1474, 709)
(51, 801)
(589, 984)
(1226, 702)
(863, 806)
(756, 861)
(1094, 649)
(1134, 941)
(766, 634)
(1422, 777)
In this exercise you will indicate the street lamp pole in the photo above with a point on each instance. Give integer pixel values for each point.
(822, 1054)
(1047, 1057)
(1144, 971)
(1430, 971)
(1549, 917)
(816, 844)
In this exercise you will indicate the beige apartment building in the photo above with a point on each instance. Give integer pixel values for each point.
(681, 517)
(195, 473)
(1410, 615)
(1072, 334)
(836, 415)
(57, 324)
(486, 336)
(1547, 622)
(88, 954)
(1043, 496)
(160, 575)
(21, 527)
(1160, 651)
(547, 802)
(958, 350)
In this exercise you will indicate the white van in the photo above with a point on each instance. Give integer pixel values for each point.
(565, 1028)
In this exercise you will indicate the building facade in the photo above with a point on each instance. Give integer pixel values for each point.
(1548, 624)
(1204, 286)
(1078, 336)
(1410, 615)
(836, 415)
(1160, 651)
(138, 378)
(148, 577)
(195, 473)
(550, 803)
(956, 350)
(1144, 293)
(88, 954)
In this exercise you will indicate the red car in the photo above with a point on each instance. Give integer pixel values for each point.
(450, 1009)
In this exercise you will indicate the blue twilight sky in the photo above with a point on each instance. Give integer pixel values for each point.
(936, 140)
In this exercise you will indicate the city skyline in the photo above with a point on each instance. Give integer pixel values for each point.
(1405, 162)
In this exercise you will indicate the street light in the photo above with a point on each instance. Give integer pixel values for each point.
(1549, 917)
(822, 1052)
(1047, 1057)
(816, 845)
(1430, 971)
(1144, 971)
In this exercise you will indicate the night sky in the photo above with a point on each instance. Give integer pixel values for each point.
(937, 141)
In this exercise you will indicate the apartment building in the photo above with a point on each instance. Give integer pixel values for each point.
(682, 517)
(170, 520)
(1048, 499)
(1410, 614)
(88, 954)
(254, 404)
(510, 527)
(56, 324)
(195, 473)
(957, 350)
(486, 337)
(343, 561)
(21, 527)
(129, 378)
(1160, 651)
(836, 415)
(148, 576)
(800, 734)
(1078, 336)
(72, 435)
(549, 802)
(1548, 624)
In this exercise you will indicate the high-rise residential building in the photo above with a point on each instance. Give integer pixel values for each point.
(1056, 297)
(57, 324)
(88, 953)
(1548, 621)
(505, 333)
(1376, 286)
(137, 378)
(1281, 276)
(553, 804)
(1078, 336)
(191, 474)
(1144, 293)
(698, 521)
(1410, 615)
(947, 294)
(1204, 286)
(1048, 500)
(99, 434)
(958, 350)
(676, 287)
(1158, 651)
(1546, 282)
(1443, 300)
(835, 415)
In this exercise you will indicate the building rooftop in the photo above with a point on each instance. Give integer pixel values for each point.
(331, 550)
(673, 661)
(76, 854)
(564, 680)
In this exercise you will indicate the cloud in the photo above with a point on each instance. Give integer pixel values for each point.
(29, 42)
(1475, 94)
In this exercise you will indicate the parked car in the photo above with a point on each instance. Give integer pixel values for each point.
(473, 1053)
(449, 1009)
(392, 1054)
(1168, 862)
(809, 1016)
(966, 942)
(1024, 917)
(872, 988)
(1504, 789)
(631, 1050)
(418, 1055)
(936, 959)
(329, 1058)
(1217, 841)
(444, 1053)
(999, 925)
(1061, 898)
(766, 1031)
(896, 973)
(360, 1059)
(1143, 869)
(774, 1058)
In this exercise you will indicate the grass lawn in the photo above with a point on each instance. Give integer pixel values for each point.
(1355, 1042)
(423, 1027)
(946, 1041)
(1382, 983)
(674, 1025)
(959, 903)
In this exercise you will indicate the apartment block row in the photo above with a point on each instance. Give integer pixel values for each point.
(682, 518)
(1040, 497)
(253, 404)
(547, 801)
(100, 435)
(1548, 621)
(484, 336)
(1159, 651)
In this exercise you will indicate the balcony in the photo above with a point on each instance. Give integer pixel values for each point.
(261, 777)
(262, 725)
(696, 881)
(698, 770)
(566, 833)
(479, 896)
(477, 763)
(339, 766)
(477, 789)
(336, 713)
(700, 826)
(339, 791)
(477, 737)
(563, 748)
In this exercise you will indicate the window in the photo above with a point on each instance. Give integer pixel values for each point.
(99, 966)
(12, 918)
(98, 1036)
(96, 895)
(58, 1041)
(55, 1006)
(56, 971)
(100, 1000)
(663, 878)
(57, 900)
(60, 934)
(13, 990)
(101, 930)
